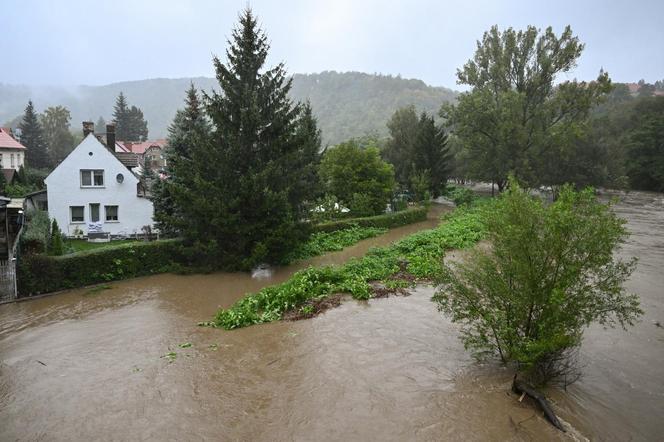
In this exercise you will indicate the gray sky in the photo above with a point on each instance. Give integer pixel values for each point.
(100, 41)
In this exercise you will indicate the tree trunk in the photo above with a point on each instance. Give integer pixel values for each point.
(520, 387)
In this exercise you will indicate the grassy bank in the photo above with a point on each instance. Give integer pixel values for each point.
(323, 242)
(416, 257)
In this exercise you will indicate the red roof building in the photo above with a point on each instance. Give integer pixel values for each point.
(12, 153)
(140, 148)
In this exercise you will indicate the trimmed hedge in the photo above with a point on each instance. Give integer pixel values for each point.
(42, 274)
(385, 221)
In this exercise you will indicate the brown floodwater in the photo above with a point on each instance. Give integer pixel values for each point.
(82, 366)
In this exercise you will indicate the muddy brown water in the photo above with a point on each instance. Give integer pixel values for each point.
(81, 366)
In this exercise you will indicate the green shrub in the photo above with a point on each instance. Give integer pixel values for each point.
(43, 274)
(37, 232)
(551, 271)
(462, 196)
(384, 221)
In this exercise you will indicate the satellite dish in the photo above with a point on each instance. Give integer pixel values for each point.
(119, 178)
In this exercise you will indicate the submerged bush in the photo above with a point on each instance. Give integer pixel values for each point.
(551, 271)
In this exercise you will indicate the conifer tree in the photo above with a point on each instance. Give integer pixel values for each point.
(188, 126)
(130, 124)
(55, 246)
(431, 153)
(242, 190)
(100, 125)
(121, 117)
(32, 137)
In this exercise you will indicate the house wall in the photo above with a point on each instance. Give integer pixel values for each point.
(6, 158)
(64, 190)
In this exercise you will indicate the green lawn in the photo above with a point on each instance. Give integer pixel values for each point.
(79, 245)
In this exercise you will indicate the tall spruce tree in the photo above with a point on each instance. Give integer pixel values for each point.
(189, 126)
(32, 137)
(130, 125)
(308, 137)
(431, 154)
(121, 117)
(242, 191)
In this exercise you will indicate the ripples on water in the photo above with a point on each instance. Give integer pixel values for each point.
(389, 369)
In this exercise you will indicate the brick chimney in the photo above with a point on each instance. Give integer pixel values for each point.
(88, 128)
(110, 137)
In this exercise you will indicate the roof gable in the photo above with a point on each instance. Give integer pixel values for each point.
(89, 147)
(7, 141)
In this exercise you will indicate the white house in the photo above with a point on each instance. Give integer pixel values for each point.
(93, 187)
(12, 153)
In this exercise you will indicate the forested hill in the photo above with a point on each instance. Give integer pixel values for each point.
(347, 104)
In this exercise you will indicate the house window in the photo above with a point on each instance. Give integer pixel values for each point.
(94, 212)
(111, 213)
(92, 178)
(12, 160)
(76, 214)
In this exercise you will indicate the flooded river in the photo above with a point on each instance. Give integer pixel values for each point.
(83, 366)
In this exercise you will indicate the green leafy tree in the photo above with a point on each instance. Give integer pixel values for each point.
(358, 177)
(3, 184)
(242, 189)
(55, 122)
(130, 125)
(399, 150)
(645, 141)
(550, 272)
(518, 118)
(32, 137)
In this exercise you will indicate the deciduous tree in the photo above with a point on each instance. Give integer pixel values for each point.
(550, 271)
(518, 118)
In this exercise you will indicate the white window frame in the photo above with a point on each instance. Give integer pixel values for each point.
(71, 215)
(117, 213)
(12, 161)
(92, 173)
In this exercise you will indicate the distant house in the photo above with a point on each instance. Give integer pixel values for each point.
(151, 153)
(12, 153)
(96, 189)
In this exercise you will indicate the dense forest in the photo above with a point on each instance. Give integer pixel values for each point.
(346, 104)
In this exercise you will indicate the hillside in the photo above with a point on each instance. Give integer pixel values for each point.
(347, 104)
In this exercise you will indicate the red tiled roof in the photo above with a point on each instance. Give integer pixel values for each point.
(7, 141)
(140, 148)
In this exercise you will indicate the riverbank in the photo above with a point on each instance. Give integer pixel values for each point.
(415, 258)
(39, 274)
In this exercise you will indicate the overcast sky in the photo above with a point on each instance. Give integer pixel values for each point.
(101, 41)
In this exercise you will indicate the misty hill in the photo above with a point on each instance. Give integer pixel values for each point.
(347, 104)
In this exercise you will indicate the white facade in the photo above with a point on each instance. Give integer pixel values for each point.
(92, 186)
(11, 158)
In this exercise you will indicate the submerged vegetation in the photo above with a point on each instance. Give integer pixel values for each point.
(418, 256)
(549, 273)
(322, 242)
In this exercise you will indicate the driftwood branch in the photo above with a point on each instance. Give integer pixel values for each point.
(522, 388)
